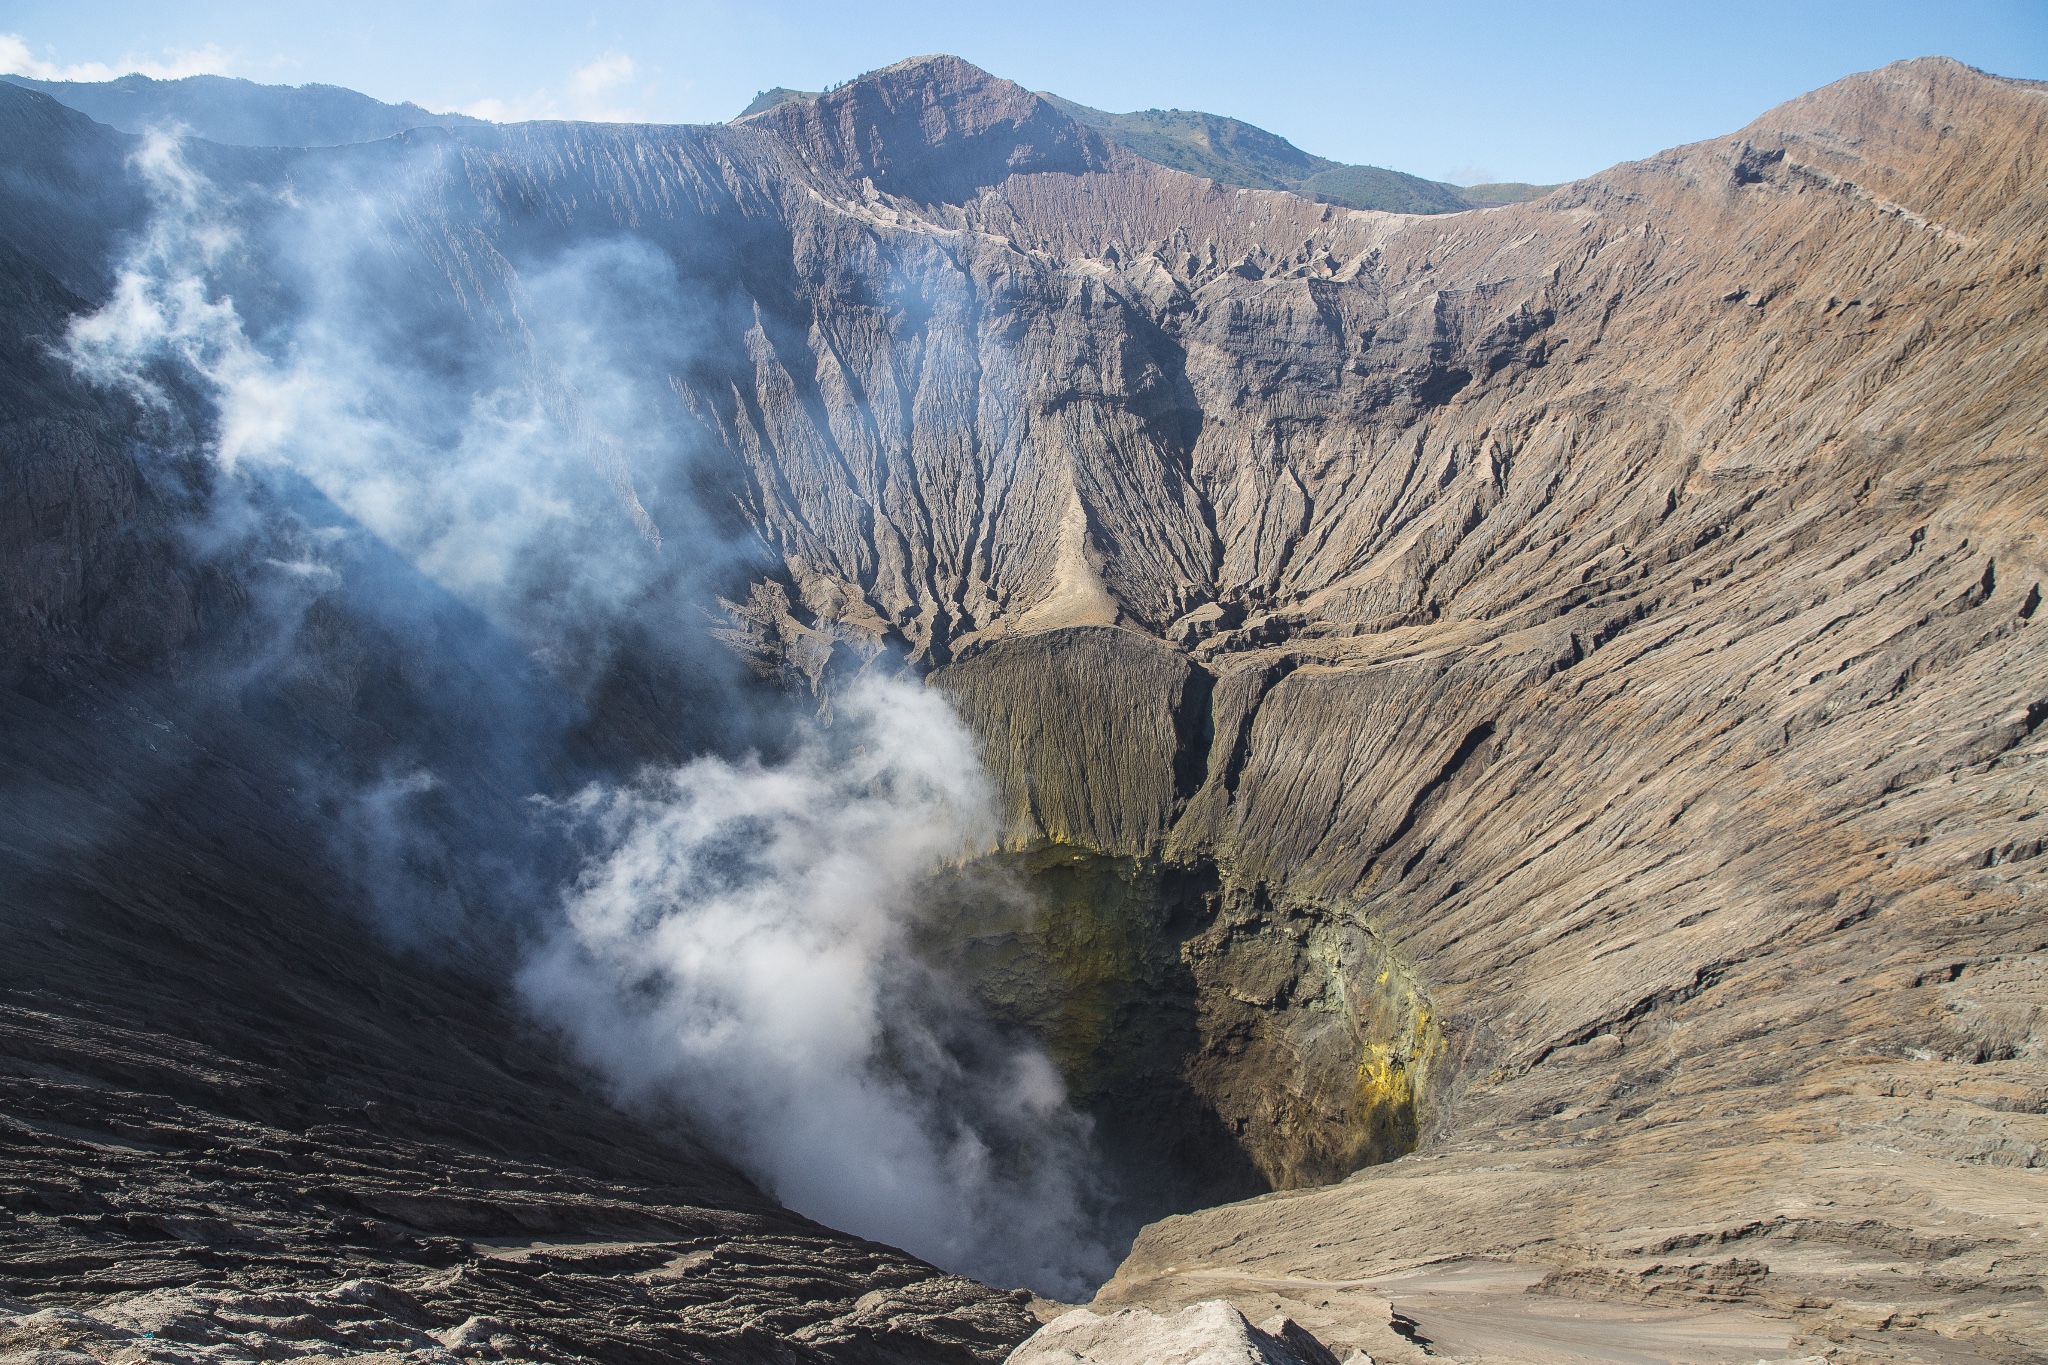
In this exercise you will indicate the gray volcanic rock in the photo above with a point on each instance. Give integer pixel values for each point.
(242, 1115)
(934, 129)
(1125, 766)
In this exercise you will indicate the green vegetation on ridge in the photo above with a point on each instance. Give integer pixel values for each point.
(768, 99)
(1232, 152)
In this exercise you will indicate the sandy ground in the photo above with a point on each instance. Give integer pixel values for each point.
(1482, 1309)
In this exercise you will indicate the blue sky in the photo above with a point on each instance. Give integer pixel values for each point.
(1539, 92)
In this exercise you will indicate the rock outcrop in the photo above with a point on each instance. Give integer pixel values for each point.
(1211, 1333)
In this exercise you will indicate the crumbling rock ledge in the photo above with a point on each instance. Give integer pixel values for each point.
(1209, 1333)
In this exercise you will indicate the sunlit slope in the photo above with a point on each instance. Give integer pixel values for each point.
(1233, 152)
(1624, 603)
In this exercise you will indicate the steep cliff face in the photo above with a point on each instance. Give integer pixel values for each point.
(1621, 607)
(1628, 564)
(1559, 684)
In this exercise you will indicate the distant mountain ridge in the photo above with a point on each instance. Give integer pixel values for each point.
(242, 113)
(1233, 152)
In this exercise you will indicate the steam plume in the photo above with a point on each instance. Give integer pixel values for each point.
(734, 953)
(739, 950)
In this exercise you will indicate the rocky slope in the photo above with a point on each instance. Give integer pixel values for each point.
(1616, 615)
(249, 1112)
(238, 1125)
(1555, 690)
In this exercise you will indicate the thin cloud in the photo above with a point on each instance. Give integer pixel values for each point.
(1471, 173)
(501, 111)
(609, 89)
(594, 78)
(18, 59)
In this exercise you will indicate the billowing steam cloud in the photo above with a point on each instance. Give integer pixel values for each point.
(477, 456)
(735, 951)
(739, 950)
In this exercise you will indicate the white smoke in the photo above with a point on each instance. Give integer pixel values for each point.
(162, 307)
(739, 951)
(472, 482)
(736, 952)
